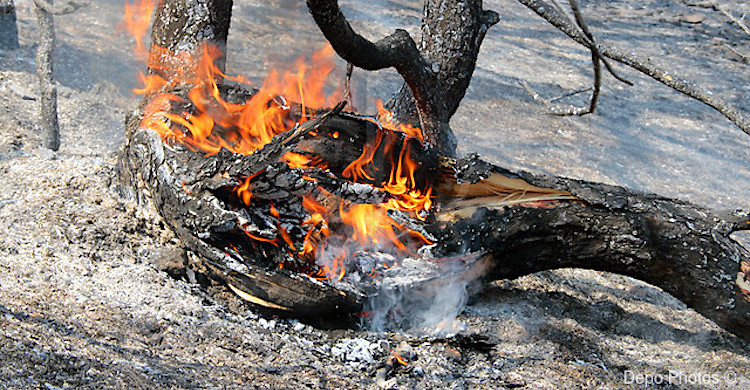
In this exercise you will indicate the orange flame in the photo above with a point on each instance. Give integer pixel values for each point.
(386, 120)
(239, 127)
(136, 21)
(398, 358)
(371, 225)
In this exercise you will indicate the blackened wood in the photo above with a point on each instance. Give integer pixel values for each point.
(153, 171)
(680, 247)
(8, 28)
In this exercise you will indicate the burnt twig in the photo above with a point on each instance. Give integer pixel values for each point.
(739, 22)
(551, 15)
(348, 86)
(596, 59)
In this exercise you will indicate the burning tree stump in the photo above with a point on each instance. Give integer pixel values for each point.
(326, 210)
(516, 223)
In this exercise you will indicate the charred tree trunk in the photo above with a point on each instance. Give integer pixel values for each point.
(182, 27)
(8, 28)
(451, 35)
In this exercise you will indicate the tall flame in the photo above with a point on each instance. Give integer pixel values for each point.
(136, 21)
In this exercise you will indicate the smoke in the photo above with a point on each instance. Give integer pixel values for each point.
(424, 297)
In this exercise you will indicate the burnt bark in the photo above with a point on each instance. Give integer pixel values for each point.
(522, 223)
(182, 185)
(182, 27)
(680, 247)
(8, 28)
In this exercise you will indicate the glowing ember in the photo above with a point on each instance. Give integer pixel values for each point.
(398, 358)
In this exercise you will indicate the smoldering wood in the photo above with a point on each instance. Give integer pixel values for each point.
(44, 67)
(173, 178)
(8, 27)
(683, 248)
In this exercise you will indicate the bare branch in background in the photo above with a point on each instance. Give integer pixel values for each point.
(680, 84)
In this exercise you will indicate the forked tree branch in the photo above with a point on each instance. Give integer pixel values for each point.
(680, 84)
(436, 73)
(398, 51)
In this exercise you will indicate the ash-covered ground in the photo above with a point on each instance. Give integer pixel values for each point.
(85, 303)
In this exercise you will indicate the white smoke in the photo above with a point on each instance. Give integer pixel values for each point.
(423, 298)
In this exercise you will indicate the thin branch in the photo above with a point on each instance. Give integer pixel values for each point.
(570, 110)
(593, 45)
(548, 12)
(68, 8)
(559, 109)
(738, 22)
(742, 55)
(348, 86)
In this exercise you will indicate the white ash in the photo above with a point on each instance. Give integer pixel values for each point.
(357, 350)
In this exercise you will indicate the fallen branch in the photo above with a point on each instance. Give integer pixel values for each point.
(680, 84)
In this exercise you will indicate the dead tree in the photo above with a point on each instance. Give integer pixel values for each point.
(44, 64)
(45, 10)
(514, 223)
(8, 28)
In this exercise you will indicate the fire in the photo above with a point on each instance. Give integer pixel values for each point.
(371, 225)
(386, 119)
(136, 21)
(243, 127)
(400, 360)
